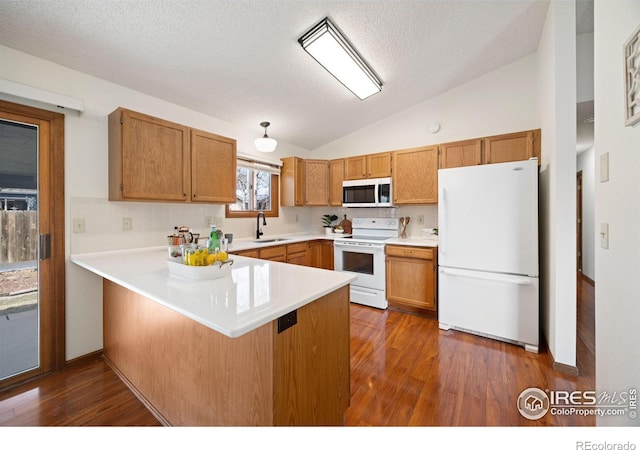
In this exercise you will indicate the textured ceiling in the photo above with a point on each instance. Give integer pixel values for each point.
(240, 61)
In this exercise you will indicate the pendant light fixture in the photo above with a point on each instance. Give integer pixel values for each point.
(265, 143)
(327, 45)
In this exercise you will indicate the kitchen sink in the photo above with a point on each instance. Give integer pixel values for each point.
(267, 241)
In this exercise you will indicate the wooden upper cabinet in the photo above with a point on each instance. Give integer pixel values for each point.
(355, 168)
(292, 181)
(149, 158)
(512, 147)
(376, 165)
(461, 153)
(415, 175)
(316, 182)
(336, 177)
(213, 168)
(379, 165)
(152, 159)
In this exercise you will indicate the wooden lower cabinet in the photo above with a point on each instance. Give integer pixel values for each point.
(327, 255)
(297, 254)
(411, 274)
(253, 253)
(277, 253)
(318, 253)
(190, 375)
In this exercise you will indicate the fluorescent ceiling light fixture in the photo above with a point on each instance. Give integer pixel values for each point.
(265, 143)
(332, 50)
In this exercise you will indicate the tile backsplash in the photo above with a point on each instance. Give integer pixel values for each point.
(152, 222)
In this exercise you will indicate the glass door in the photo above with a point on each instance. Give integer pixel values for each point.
(19, 238)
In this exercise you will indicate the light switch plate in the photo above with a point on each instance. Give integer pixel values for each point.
(604, 167)
(604, 235)
(78, 225)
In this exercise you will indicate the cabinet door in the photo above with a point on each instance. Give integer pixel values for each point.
(154, 158)
(213, 168)
(327, 255)
(297, 253)
(355, 168)
(316, 182)
(336, 177)
(459, 154)
(411, 279)
(512, 147)
(292, 182)
(379, 165)
(411, 282)
(277, 253)
(248, 253)
(415, 176)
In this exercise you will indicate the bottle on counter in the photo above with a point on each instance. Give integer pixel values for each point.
(214, 242)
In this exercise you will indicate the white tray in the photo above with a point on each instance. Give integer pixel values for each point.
(211, 272)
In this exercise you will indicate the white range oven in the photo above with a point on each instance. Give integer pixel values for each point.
(362, 255)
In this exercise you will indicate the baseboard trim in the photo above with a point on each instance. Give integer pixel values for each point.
(84, 359)
(138, 394)
(566, 369)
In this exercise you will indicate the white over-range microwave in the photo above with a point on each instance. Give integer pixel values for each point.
(373, 192)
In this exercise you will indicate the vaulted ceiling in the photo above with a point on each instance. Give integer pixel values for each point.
(240, 61)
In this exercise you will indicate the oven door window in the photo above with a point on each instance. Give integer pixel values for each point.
(359, 194)
(357, 262)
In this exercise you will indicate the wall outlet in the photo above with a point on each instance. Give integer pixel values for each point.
(421, 220)
(127, 224)
(217, 221)
(296, 218)
(78, 225)
(208, 221)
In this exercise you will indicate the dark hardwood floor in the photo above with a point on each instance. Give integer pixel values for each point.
(404, 372)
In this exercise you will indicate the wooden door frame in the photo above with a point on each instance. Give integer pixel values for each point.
(53, 353)
(579, 221)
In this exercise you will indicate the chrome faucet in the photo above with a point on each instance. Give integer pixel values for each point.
(264, 222)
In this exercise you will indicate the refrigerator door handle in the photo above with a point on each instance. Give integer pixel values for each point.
(501, 278)
(442, 226)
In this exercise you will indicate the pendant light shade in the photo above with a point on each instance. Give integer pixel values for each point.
(265, 143)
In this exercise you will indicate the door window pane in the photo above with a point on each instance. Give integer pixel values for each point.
(19, 312)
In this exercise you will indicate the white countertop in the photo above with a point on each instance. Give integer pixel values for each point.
(257, 291)
(245, 244)
(250, 243)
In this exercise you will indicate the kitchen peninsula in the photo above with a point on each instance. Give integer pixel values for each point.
(266, 345)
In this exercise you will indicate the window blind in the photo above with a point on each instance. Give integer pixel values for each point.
(255, 163)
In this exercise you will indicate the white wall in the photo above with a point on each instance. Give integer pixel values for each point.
(499, 102)
(86, 184)
(584, 67)
(586, 163)
(557, 110)
(617, 268)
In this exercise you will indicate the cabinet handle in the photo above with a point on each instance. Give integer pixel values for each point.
(184, 194)
(194, 195)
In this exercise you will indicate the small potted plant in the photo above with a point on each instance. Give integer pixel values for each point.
(327, 222)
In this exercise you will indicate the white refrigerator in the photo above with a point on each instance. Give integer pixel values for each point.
(488, 251)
